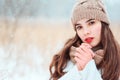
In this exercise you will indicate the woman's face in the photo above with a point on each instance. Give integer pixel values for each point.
(89, 31)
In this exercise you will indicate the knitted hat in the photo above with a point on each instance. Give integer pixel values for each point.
(90, 9)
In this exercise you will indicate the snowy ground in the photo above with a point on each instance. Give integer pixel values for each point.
(19, 62)
(22, 65)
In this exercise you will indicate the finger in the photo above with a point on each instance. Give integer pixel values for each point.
(78, 55)
(83, 55)
(73, 48)
(71, 54)
(84, 51)
(79, 67)
(80, 64)
(72, 59)
(80, 50)
(86, 45)
(88, 51)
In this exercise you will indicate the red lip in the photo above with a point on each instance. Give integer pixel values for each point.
(89, 39)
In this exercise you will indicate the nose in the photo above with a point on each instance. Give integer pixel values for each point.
(86, 31)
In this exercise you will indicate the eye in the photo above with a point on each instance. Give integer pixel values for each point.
(91, 23)
(78, 27)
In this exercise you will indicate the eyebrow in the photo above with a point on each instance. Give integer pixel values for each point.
(85, 22)
(89, 20)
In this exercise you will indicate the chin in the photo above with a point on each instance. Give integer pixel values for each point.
(93, 44)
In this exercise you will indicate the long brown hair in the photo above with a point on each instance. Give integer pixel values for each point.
(110, 64)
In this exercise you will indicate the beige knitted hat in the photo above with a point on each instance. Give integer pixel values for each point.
(91, 9)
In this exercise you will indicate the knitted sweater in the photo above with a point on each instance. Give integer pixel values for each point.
(90, 72)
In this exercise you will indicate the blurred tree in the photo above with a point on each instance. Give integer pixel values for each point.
(12, 11)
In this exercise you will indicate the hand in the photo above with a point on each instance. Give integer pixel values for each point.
(83, 55)
(73, 51)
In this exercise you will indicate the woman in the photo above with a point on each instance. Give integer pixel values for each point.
(93, 54)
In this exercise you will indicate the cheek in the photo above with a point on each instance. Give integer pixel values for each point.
(97, 31)
(97, 28)
(80, 35)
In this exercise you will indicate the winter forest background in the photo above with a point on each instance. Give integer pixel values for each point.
(32, 31)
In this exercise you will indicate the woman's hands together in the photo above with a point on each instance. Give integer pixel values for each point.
(81, 55)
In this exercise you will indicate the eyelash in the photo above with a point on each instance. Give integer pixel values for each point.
(78, 27)
(91, 23)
